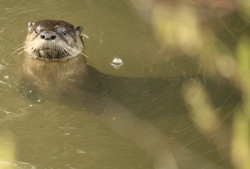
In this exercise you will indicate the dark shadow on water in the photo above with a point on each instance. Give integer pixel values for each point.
(126, 105)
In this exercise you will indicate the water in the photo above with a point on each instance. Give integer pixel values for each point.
(49, 136)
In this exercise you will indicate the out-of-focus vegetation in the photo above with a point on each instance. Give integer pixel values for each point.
(215, 35)
(7, 153)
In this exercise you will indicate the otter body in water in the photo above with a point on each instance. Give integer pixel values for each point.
(55, 68)
(52, 53)
(54, 60)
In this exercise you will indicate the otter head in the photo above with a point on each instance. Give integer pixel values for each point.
(53, 40)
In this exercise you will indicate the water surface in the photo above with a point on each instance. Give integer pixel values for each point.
(51, 136)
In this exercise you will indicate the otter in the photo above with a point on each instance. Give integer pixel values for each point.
(55, 69)
(55, 62)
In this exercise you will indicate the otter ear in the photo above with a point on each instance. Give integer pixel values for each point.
(30, 25)
(78, 29)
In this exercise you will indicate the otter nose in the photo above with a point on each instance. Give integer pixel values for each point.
(48, 36)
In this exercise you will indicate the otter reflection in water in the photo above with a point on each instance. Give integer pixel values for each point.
(55, 68)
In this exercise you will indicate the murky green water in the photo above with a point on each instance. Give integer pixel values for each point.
(52, 136)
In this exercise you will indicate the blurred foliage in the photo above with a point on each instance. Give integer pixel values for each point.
(7, 153)
(244, 7)
(240, 140)
(243, 54)
(215, 34)
(177, 28)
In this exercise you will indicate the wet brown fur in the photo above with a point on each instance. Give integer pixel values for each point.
(68, 80)
(53, 73)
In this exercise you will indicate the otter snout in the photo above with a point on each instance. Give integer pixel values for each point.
(46, 35)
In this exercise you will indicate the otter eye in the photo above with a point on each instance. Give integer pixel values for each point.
(64, 32)
(37, 31)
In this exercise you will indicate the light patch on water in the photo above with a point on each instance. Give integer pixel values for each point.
(85, 36)
(7, 112)
(81, 152)
(2, 67)
(24, 165)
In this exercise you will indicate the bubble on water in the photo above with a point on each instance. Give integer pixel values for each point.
(117, 63)
(6, 77)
